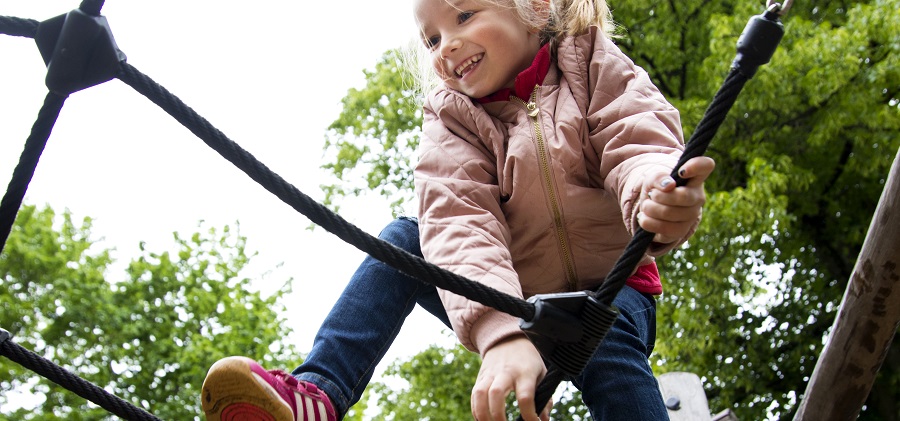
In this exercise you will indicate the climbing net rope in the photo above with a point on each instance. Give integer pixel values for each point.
(92, 57)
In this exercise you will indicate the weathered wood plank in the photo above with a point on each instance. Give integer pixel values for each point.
(866, 321)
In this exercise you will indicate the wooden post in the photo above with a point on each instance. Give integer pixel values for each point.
(866, 321)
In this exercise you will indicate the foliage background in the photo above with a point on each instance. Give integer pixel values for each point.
(149, 338)
(802, 160)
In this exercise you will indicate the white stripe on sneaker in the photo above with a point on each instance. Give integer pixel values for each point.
(308, 408)
(323, 414)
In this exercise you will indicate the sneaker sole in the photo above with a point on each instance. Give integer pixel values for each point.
(232, 392)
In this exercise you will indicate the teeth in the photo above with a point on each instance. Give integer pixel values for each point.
(459, 69)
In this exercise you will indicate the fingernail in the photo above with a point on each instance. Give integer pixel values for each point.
(665, 182)
(681, 172)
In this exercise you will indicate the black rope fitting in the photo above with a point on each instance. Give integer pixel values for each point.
(568, 327)
(91, 7)
(79, 51)
(758, 42)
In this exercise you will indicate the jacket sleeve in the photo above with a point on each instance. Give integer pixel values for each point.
(633, 128)
(462, 226)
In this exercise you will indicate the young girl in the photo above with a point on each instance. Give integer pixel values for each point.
(543, 148)
(542, 151)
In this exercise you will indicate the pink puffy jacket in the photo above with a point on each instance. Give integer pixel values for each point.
(540, 197)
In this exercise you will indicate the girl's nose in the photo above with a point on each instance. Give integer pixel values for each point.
(449, 45)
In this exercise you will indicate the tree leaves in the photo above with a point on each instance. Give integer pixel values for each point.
(802, 159)
(374, 133)
(149, 338)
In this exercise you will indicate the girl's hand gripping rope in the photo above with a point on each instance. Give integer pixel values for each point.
(512, 365)
(670, 211)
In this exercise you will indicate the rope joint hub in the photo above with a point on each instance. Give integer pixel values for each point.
(568, 327)
(79, 51)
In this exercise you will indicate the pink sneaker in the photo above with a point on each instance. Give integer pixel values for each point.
(239, 389)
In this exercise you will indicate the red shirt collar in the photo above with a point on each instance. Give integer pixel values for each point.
(525, 81)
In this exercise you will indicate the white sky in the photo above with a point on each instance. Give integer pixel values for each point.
(269, 74)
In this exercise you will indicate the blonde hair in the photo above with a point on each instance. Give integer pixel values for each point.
(556, 19)
(565, 18)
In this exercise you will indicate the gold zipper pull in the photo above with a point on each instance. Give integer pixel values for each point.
(532, 109)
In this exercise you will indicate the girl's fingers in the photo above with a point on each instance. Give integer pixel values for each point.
(674, 206)
(666, 231)
(525, 396)
(489, 398)
(697, 170)
(497, 394)
(481, 409)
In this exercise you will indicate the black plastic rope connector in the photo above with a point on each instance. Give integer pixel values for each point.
(758, 42)
(79, 51)
(568, 327)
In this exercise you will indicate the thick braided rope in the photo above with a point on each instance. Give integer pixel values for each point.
(66, 379)
(316, 212)
(9, 205)
(319, 214)
(713, 117)
(379, 249)
(28, 160)
(18, 27)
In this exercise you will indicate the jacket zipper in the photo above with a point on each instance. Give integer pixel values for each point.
(544, 158)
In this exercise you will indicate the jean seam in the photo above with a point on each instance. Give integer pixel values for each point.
(650, 307)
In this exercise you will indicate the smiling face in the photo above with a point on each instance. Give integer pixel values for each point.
(475, 48)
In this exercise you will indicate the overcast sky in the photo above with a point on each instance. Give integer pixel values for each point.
(269, 74)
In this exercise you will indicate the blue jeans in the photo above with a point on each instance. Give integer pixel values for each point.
(365, 321)
(617, 383)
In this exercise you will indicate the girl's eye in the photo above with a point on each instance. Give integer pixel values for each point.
(432, 42)
(462, 17)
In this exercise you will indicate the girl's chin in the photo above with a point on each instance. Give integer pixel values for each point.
(474, 91)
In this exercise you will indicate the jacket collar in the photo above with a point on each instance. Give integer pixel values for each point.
(525, 81)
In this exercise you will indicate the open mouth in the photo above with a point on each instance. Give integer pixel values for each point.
(467, 65)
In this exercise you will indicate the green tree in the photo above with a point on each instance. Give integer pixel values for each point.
(802, 160)
(428, 398)
(373, 134)
(440, 385)
(149, 338)
(801, 165)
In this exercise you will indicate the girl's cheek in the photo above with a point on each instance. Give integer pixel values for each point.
(437, 66)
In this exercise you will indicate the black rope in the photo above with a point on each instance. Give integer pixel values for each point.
(402, 260)
(28, 160)
(9, 206)
(115, 405)
(18, 27)
(319, 214)
(546, 388)
(398, 258)
(713, 117)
